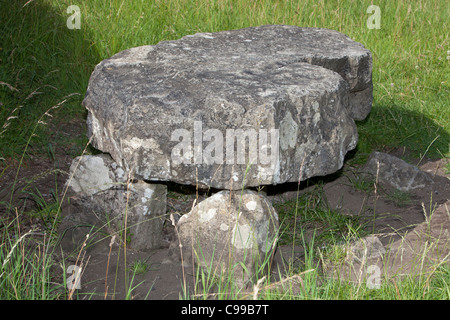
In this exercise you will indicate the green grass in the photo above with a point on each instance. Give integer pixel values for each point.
(310, 211)
(45, 64)
(400, 198)
(405, 289)
(25, 265)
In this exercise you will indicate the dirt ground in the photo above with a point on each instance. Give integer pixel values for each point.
(105, 269)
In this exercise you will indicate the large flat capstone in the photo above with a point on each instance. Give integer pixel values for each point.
(232, 109)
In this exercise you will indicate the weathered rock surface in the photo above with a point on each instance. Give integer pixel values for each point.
(173, 111)
(395, 172)
(227, 231)
(420, 252)
(101, 196)
(92, 174)
(367, 248)
(424, 248)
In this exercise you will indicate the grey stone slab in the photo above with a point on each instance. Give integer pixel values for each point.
(180, 110)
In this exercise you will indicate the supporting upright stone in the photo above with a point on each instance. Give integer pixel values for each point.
(146, 214)
(232, 233)
(101, 197)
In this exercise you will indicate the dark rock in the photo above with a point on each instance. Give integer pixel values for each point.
(394, 172)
